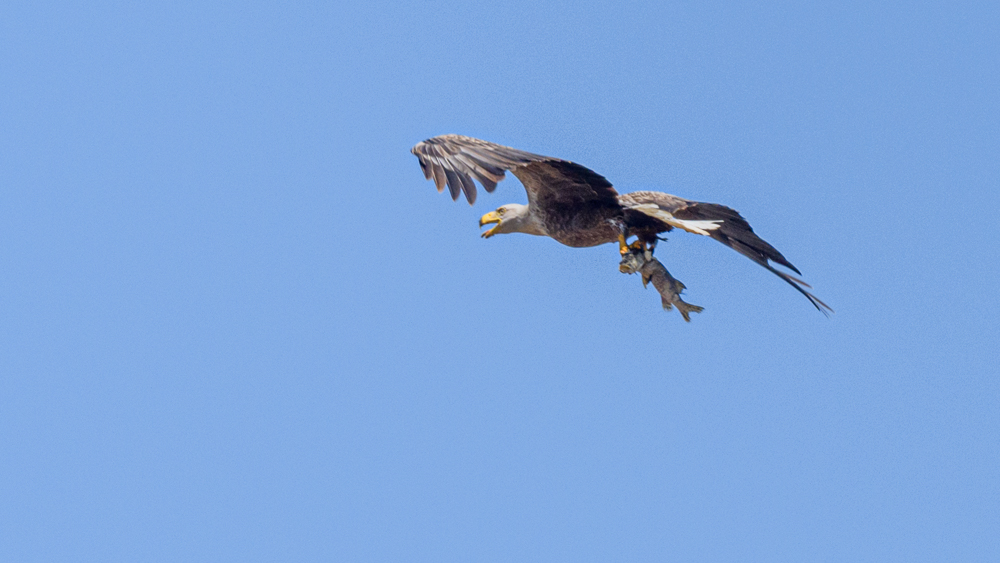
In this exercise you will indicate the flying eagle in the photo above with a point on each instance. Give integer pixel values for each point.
(578, 207)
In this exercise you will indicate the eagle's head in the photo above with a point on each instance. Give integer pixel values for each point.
(512, 218)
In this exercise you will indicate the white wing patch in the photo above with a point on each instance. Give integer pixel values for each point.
(696, 227)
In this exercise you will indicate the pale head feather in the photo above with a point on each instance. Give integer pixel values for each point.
(516, 218)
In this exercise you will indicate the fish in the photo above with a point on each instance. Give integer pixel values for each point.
(652, 270)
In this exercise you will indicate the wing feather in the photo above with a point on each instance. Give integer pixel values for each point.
(458, 162)
(440, 179)
(722, 223)
(454, 183)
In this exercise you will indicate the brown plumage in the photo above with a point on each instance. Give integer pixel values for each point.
(578, 207)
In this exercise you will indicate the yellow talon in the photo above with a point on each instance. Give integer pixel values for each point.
(624, 248)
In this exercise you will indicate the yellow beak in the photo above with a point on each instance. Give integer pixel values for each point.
(489, 218)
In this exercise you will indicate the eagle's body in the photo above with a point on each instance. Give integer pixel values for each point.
(578, 207)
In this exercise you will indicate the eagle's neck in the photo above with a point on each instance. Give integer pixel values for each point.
(521, 219)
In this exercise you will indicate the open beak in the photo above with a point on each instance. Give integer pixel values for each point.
(489, 218)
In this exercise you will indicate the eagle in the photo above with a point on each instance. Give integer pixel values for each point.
(580, 208)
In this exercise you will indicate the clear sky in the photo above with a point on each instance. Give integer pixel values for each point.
(237, 324)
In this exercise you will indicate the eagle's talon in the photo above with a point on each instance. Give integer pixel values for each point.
(623, 247)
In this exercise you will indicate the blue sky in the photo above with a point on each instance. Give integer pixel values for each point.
(236, 323)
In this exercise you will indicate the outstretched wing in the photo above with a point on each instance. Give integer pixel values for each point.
(723, 224)
(455, 160)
